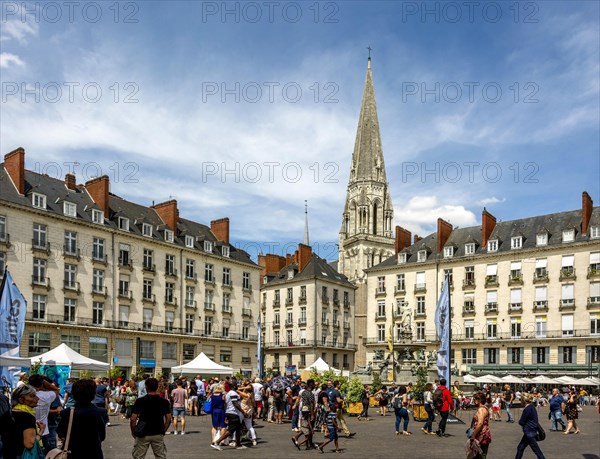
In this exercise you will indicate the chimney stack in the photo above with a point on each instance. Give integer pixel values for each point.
(220, 229)
(70, 182)
(587, 205)
(14, 163)
(270, 263)
(402, 239)
(416, 239)
(97, 188)
(488, 223)
(444, 229)
(168, 213)
(304, 256)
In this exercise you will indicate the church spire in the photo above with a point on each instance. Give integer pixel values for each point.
(367, 159)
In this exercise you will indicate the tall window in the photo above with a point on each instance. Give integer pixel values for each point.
(381, 284)
(98, 281)
(169, 291)
(381, 309)
(124, 255)
(420, 305)
(147, 289)
(515, 327)
(39, 271)
(491, 355)
(381, 333)
(190, 293)
(189, 323)
(123, 315)
(70, 243)
(70, 276)
(97, 313)
(98, 249)
(69, 315)
(208, 325)
(40, 235)
(420, 331)
(400, 283)
(540, 355)
(540, 326)
(567, 325)
(148, 260)
(190, 268)
(226, 276)
(208, 273)
(39, 306)
(594, 323)
(169, 319)
(469, 329)
(469, 356)
(492, 329)
(170, 265)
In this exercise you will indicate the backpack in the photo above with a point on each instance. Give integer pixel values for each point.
(438, 400)
(397, 402)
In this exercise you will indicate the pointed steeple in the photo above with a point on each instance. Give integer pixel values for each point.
(306, 240)
(367, 159)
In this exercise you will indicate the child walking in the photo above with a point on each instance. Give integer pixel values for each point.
(332, 428)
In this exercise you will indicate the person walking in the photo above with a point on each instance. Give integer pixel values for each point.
(150, 419)
(364, 399)
(382, 396)
(496, 407)
(557, 406)
(179, 395)
(428, 405)
(480, 426)
(89, 427)
(455, 392)
(400, 403)
(131, 394)
(442, 400)
(217, 403)
(232, 414)
(572, 413)
(529, 422)
(332, 429)
(335, 398)
(509, 398)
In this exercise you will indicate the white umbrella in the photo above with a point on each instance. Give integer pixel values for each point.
(470, 379)
(528, 380)
(566, 380)
(543, 380)
(512, 379)
(489, 379)
(586, 382)
(594, 380)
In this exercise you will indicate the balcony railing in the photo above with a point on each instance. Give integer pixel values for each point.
(226, 309)
(400, 290)
(276, 303)
(420, 314)
(289, 322)
(593, 272)
(420, 288)
(40, 246)
(566, 305)
(209, 280)
(171, 272)
(302, 299)
(149, 268)
(209, 306)
(468, 284)
(515, 307)
(346, 325)
(593, 302)
(379, 316)
(246, 312)
(5, 239)
(380, 291)
(325, 322)
(149, 298)
(541, 305)
(71, 287)
(39, 281)
(491, 281)
(302, 321)
(491, 308)
(125, 294)
(190, 303)
(308, 343)
(125, 264)
(540, 277)
(69, 252)
(567, 274)
(336, 301)
(98, 258)
(515, 279)
(346, 303)
(289, 301)
(325, 300)
(468, 308)
(99, 290)
(192, 277)
(336, 324)
(170, 299)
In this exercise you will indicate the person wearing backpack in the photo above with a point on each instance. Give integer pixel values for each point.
(442, 401)
(399, 403)
(428, 404)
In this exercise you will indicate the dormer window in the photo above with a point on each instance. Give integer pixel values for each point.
(97, 216)
(265, 280)
(516, 242)
(568, 235)
(469, 248)
(124, 223)
(225, 251)
(168, 235)
(208, 246)
(69, 209)
(290, 274)
(492, 245)
(401, 258)
(421, 255)
(541, 239)
(147, 229)
(189, 241)
(38, 200)
(448, 252)
(595, 232)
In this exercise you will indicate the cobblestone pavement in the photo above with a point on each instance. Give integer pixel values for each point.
(373, 439)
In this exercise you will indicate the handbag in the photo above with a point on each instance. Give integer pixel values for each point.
(35, 452)
(207, 407)
(57, 453)
(541, 433)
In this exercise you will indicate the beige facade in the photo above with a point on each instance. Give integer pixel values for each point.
(307, 317)
(124, 297)
(519, 309)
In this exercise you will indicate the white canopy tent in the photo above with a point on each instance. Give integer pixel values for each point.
(204, 366)
(513, 379)
(64, 355)
(470, 379)
(586, 382)
(321, 366)
(595, 381)
(543, 380)
(10, 361)
(567, 380)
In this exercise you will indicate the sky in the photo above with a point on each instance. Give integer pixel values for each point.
(247, 109)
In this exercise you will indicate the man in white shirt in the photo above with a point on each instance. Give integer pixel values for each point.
(258, 397)
(233, 412)
(47, 393)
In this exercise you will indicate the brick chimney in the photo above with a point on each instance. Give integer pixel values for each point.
(488, 223)
(304, 256)
(220, 229)
(70, 182)
(416, 239)
(402, 239)
(14, 163)
(97, 188)
(444, 229)
(168, 213)
(289, 259)
(270, 263)
(587, 205)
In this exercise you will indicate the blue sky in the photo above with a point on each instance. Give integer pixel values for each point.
(241, 111)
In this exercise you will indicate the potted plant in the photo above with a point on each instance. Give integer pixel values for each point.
(354, 396)
(419, 413)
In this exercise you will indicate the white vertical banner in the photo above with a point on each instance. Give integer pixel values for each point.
(442, 326)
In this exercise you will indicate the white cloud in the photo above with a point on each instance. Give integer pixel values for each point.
(18, 27)
(491, 200)
(421, 213)
(6, 59)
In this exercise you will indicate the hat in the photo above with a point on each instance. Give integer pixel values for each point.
(257, 380)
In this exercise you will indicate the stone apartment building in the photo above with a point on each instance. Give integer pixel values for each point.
(525, 293)
(133, 285)
(307, 312)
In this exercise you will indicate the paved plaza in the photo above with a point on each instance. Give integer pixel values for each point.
(374, 439)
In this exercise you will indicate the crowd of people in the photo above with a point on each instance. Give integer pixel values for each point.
(36, 418)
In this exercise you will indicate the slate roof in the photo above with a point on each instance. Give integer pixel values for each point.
(316, 268)
(56, 193)
(528, 228)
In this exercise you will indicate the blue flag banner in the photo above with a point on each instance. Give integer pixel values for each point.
(259, 348)
(12, 323)
(442, 326)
